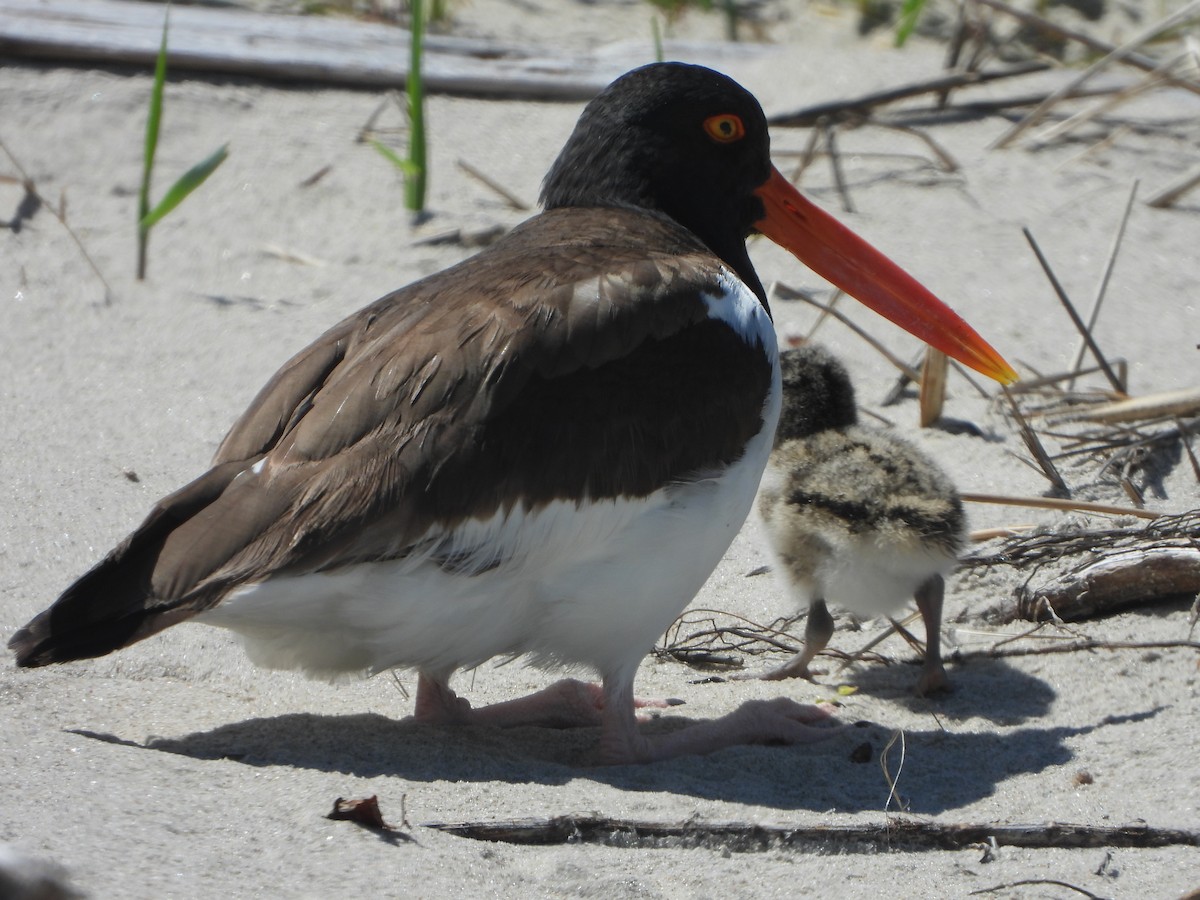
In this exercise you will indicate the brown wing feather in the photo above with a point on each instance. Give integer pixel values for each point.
(561, 362)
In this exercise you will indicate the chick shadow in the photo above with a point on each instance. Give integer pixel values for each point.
(990, 689)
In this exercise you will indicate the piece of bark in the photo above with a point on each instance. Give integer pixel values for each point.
(1114, 582)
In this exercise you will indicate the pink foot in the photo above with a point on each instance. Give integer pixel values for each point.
(569, 703)
(777, 721)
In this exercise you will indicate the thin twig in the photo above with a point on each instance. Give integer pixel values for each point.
(510, 198)
(811, 115)
(1073, 313)
(835, 161)
(1024, 881)
(1102, 287)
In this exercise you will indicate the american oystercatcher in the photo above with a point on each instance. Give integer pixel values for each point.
(543, 451)
(854, 514)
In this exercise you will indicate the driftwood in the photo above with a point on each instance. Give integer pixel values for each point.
(1117, 580)
(321, 49)
(1108, 570)
(741, 837)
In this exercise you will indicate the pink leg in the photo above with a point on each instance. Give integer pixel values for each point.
(929, 601)
(568, 703)
(756, 722)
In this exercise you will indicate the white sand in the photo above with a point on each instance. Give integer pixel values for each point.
(221, 774)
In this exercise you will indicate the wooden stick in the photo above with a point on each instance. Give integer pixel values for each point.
(1118, 53)
(743, 837)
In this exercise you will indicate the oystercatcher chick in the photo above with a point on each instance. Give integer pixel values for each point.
(543, 451)
(853, 514)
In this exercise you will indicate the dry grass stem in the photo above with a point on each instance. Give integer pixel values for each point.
(506, 195)
(897, 735)
(1034, 445)
(1109, 140)
(1117, 384)
(1176, 189)
(60, 213)
(1183, 402)
(784, 292)
(947, 163)
(1102, 286)
(835, 162)
(1117, 54)
(1060, 503)
(1132, 58)
(862, 651)
(1157, 78)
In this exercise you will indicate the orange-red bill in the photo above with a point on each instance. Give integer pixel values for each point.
(841, 257)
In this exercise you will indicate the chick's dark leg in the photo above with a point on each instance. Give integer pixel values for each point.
(929, 598)
(817, 632)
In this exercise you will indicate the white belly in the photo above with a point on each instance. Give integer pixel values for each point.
(594, 585)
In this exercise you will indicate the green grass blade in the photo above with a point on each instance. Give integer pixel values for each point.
(908, 20)
(188, 182)
(154, 119)
(406, 167)
(153, 123)
(656, 34)
(414, 182)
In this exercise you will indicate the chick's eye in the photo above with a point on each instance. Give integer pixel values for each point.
(725, 128)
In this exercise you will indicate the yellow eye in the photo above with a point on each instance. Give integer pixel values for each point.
(725, 128)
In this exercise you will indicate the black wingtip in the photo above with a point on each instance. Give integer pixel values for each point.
(25, 645)
(42, 643)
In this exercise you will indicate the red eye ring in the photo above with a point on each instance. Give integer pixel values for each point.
(725, 128)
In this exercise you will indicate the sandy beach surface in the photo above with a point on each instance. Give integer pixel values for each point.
(175, 768)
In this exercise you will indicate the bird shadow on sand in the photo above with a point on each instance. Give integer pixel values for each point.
(991, 689)
(939, 769)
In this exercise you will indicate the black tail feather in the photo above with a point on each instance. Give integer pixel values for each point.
(115, 603)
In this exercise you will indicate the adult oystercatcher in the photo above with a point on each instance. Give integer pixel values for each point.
(853, 514)
(544, 450)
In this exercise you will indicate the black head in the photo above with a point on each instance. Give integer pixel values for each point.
(676, 139)
(817, 393)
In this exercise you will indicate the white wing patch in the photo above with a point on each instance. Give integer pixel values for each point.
(736, 305)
